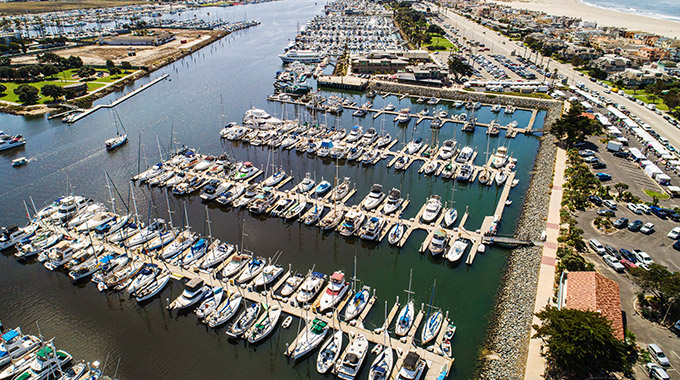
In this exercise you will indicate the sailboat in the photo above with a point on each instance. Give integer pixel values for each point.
(120, 139)
(405, 317)
(433, 321)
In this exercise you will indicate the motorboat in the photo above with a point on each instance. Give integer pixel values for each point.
(265, 323)
(235, 265)
(270, 273)
(465, 155)
(12, 142)
(438, 243)
(485, 176)
(446, 342)
(291, 285)
(19, 161)
(374, 197)
(339, 151)
(405, 319)
(357, 303)
(205, 163)
(501, 177)
(414, 145)
(404, 116)
(225, 311)
(109, 266)
(381, 368)
(253, 268)
(249, 194)
(281, 206)
(329, 352)
(412, 368)
(396, 233)
(401, 163)
(390, 107)
(68, 206)
(370, 157)
(324, 149)
(310, 287)
(217, 253)
(450, 217)
(76, 372)
(456, 250)
(232, 194)
(244, 321)
(335, 291)
(354, 134)
(394, 202)
(305, 186)
(446, 152)
(14, 344)
(197, 250)
(245, 171)
(458, 103)
(182, 242)
(369, 137)
(465, 173)
(371, 230)
(194, 292)
(432, 326)
(47, 362)
(210, 302)
(322, 188)
(154, 287)
(313, 334)
(433, 208)
(352, 222)
(496, 108)
(354, 153)
(500, 158)
(510, 110)
(12, 235)
(430, 167)
(18, 366)
(59, 255)
(214, 189)
(350, 364)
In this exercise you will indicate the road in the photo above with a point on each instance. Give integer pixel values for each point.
(500, 44)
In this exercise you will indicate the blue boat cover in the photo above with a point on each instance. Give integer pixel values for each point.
(11, 334)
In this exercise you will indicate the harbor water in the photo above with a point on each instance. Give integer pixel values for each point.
(239, 69)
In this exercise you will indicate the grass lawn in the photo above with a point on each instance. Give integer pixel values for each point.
(441, 41)
(64, 78)
(658, 195)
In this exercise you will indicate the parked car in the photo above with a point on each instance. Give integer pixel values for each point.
(634, 208)
(621, 222)
(603, 176)
(628, 264)
(605, 212)
(656, 372)
(672, 215)
(646, 209)
(674, 233)
(613, 263)
(657, 354)
(597, 247)
(598, 165)
(610, 203)
(621, 154)
(635, 226)
(642, 257)
(591, 159)
(594, 199)
(648, 228)
(611, 250)
(676, 245)
(658, 211)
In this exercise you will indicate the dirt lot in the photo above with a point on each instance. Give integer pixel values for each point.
(145, 55)
(21, 7)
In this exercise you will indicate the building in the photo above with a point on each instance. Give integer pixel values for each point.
(129, 39)
(611, 63)
(644, 76)
(593, 291)
(382, 63)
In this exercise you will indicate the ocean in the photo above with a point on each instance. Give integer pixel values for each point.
(661, 9)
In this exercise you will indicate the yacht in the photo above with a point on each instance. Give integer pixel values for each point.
(500, 158)
(434, 206)
(268, 275)
(329, 352)
(244, 321)
(374, 198)
(339, 151)
(357, 303)
(265, 324)
(446, 151)
(14, 344)
(245, 171)
(354, 357)
(194, 291)
(438, 242)
(412, 368)
(465, 173)
(369, 137)
(48, 362)
(381, 368)
(404, 116)
(334, 293)
(394, 201)
(210, 302)
(310, 287)
(465, 155)
(68, 206)
(405, 319)
(58, 255)
(354, 134)
(456, 250)
(217, 253)
(225, 311)
(352, 222)
(414, 145)
(305, 56)
(310, 337)
(13, 235)
(372, 229)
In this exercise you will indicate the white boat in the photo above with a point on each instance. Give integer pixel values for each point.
(432, 210)
(253, 268)
(501, 177)
(465, 155)
(381, 368)
(182, 242)
(404, 115)
(352, 222)
(115, 142)
(446, 342)
(357, 303)
(335, 291)
(144, 278)
(154, 287)
(329, 352)
(457, 250)
(305, 56)
(275, 178)
(296, 209)
(446, 152)
(412, 368)
(354, 357)
(310, 287)
(431, 328)
(245, 171)
(496, 108)
(86, 214)
(310, 337)
(235, 265)
(12, 142)
(225, 311)
(13, 235)
(244, 321)
(450, 217)
(354, 134)
(374, 198)
(150, 173)
(194, 291)
(148, 233)
(265, 324)
(291, 285)
(217, 253)
(305, 186)
(405, 319)
(500, 158)
(19, 161)
(396, 233)
(268, 275)
(394, 201)
(372, 228)
(14, 344)
(414, 145)
(438, 243)
(390, 107)
(58, 255)
(46, 363)
(18, 366)
(210, 303)
(232, 194)
(430, 167)
(197, 250)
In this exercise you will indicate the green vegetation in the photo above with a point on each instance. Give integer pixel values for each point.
(573, 126)
(459, 68)
(26, 94)
(656, 194)
(664, 287)
(581, 344)
(437, 42)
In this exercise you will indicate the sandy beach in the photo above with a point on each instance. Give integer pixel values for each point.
(603, 17)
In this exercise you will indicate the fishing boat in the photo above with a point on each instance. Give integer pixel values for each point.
(438, 242)
(396, 233)
(329, 352)
(210, 302)
(350, 364)
(335, 291)
(313, 334)
(19, 161)
(311, 286)
(374, 197)
(244, 321)
(394, 201)
(433, 208)
(457, 250)
(412, 368)
(225, 311)
(381, 368)
(194, 291)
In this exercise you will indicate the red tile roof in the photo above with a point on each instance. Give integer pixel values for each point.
(592, 291)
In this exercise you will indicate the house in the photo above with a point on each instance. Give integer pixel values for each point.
(593, 291)
(612, 63)
(644, 76)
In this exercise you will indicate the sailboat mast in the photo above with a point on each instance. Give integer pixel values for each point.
(207, 220)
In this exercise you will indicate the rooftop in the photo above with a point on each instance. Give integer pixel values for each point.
(592, 291)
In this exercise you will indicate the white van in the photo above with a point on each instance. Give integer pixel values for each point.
(597, 247)
(657, 354)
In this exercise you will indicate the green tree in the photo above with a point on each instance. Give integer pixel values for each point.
(27, 94)
(663, 284)
(86, 72)
(7, 72)
(114, 71)
(110, 64)
(3, 88)
(125, 65)
(459, 68)
(652, 98)
(620, 188)
(53, 91)
(580, 344)
(49, 70)
(74, 62)
(573, 126)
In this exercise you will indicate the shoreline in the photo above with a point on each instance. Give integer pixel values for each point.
(602, 16)
(656, 16)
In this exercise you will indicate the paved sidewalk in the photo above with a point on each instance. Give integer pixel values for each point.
(535, 363)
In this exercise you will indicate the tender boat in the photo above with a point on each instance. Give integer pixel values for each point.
(329, 352)
(194, 291)
(310, 337)
(335, 291)
(354, 357)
